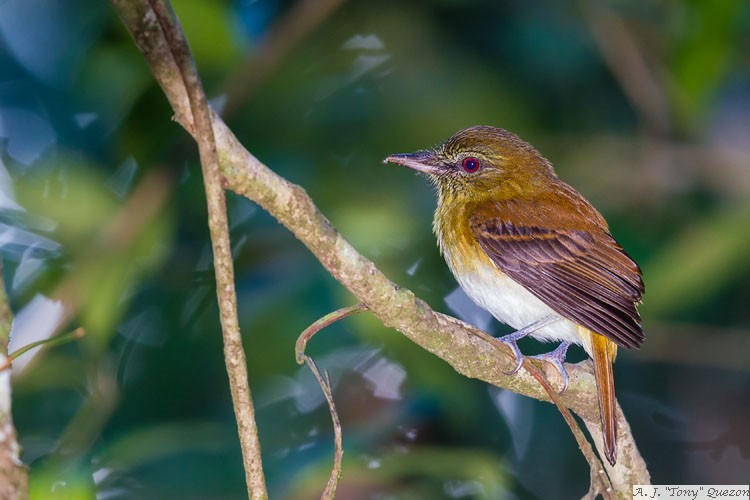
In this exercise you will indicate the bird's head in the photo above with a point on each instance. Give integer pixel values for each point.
(480, 163)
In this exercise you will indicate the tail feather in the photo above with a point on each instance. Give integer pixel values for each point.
(603, 352)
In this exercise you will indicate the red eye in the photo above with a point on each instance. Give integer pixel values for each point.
(471, 164)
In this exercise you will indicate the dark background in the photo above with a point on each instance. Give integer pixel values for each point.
(643, 106)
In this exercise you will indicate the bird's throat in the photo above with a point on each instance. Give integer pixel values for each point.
(457, 244)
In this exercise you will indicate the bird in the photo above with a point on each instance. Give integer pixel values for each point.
(533, 252)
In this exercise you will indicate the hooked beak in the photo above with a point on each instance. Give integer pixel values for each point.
(422, 161)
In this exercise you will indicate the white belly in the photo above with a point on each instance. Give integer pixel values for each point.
(512, 304)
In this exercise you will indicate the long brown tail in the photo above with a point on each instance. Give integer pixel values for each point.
(603, 351)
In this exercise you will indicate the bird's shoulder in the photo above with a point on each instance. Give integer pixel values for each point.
(559, 206)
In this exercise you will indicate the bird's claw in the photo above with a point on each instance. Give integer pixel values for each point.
(557, 358)
(516, 354)
(511, 340)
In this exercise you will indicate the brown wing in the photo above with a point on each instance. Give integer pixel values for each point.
(584, 275)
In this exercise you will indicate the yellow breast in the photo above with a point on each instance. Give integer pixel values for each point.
(455, 239)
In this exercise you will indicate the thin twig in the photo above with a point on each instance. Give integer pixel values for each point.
(48, 342)
(325, 385)
(600, 483)
(234, 354)
(327, 320)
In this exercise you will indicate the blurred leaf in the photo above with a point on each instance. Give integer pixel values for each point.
(73, 196)
(370, 226)
(209, 29)
(114, 70)
(419, 472)
(106, 281)
(53, 370)
(146, 444)
(699, 263)
(48, 484)
(707, 43)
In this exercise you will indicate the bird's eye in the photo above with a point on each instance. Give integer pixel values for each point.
(470, 164)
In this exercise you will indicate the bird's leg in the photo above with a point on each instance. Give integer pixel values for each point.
(557, 358)
(512, 338)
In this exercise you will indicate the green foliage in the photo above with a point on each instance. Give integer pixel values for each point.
(700, 263)
(703, 55)
(213, 39)
(143, 397)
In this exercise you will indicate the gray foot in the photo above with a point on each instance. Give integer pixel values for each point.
(557, 358)
(512, 338)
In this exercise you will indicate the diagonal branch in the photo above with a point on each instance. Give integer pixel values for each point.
(468, 350)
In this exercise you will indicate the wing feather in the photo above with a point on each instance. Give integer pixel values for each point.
(582, 274)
